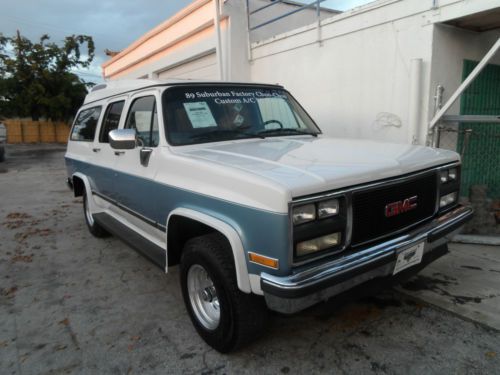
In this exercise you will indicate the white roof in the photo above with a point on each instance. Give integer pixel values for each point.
(121, 86)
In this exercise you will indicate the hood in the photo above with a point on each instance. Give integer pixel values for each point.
(307, 165)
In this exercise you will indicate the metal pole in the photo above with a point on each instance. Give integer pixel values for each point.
(415, 102)
(218, 49)
(318, 15)
(249, 45)
(434, 134)
(465, 83)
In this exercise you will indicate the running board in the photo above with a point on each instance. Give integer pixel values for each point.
(145, 247)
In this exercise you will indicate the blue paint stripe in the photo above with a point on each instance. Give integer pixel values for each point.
(261, 231)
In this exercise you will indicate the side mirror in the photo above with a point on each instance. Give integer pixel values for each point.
(122, 139)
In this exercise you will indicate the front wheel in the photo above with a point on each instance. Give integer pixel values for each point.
(225, 317)
(94, 227)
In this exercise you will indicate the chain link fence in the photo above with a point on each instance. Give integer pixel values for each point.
(479, 146)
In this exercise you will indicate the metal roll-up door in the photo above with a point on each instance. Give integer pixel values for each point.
(204, 67)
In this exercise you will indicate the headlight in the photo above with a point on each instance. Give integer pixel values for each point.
(318, 227)
(448, 199)
(444, 176)
(317, 244)
(448, 175)
(449, 187)
(303, 214)
(328, 208)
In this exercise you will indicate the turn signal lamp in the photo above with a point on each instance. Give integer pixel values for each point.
(263, 260)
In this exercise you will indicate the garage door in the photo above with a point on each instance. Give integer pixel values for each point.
(202, 68)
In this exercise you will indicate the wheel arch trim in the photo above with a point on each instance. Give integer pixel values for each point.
(88, 190)
(227, 231)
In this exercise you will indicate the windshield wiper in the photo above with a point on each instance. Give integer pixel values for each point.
(290, 131)
(222, 133)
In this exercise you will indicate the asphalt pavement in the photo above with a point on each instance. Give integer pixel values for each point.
(74, 304)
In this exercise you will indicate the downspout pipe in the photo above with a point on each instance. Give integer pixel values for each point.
(218, 47)
(415, 101)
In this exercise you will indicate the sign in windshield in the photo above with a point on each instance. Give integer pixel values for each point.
(211, 114)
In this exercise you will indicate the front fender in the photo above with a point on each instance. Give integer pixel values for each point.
(232, 236)
(94, 208)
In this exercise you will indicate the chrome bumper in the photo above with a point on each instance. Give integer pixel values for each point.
(289, 294)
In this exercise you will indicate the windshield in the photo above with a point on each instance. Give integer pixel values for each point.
(220, 113)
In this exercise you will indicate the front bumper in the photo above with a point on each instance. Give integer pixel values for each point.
(289, 294)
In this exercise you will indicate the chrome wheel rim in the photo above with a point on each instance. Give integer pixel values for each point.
(203, 297)
(88, 214)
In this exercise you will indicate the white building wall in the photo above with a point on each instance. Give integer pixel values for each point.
(356, 82)
(304, 17)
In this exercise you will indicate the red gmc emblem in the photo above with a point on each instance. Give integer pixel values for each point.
(396, 208)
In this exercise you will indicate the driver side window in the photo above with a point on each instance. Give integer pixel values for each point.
(143, 117)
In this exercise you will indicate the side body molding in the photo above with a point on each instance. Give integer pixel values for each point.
(230, 233)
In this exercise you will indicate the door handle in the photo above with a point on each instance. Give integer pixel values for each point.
(118, 153)
(96, 149)
(145, 153)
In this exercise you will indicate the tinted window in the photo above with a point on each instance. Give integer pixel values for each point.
(111, 120)
(143, 117)
(211, 114)
(85, 125)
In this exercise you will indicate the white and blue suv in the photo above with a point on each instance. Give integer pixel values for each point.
(236, 184)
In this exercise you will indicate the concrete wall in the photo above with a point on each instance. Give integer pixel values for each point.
(191, 33)
(354, 76)
(355, 82)
(304, 17)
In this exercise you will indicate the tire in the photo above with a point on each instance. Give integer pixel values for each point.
(2, 153)
(242, 317)
(94, 227)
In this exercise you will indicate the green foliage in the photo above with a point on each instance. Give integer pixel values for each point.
(36, 79)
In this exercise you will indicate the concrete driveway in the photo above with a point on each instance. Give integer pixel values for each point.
(74, 304)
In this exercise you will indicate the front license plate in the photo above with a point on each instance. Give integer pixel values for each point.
(409, 257)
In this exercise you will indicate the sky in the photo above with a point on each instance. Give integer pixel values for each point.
(113, 24)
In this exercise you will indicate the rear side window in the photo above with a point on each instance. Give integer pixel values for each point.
(111, 120)
(85, 125)
(143, 117)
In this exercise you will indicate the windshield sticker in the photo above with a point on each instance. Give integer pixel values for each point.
(234, 97)
(200, 115)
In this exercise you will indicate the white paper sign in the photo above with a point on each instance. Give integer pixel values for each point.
(199, 114)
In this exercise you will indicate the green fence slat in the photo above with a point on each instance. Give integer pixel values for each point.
(481, 159)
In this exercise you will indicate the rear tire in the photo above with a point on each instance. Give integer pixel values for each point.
(225, 317)
(94, 227)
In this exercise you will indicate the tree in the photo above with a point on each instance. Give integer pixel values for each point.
(36, 79)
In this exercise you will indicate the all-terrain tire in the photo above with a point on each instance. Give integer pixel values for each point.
(243, 317)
